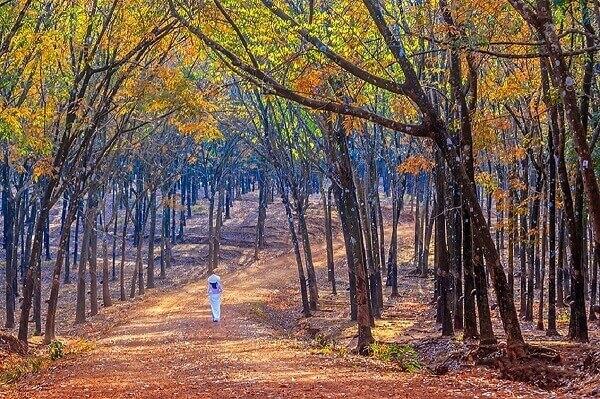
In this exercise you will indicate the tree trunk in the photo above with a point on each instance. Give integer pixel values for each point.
(211, 232)
(442, 267)
(418, 233)
(578, 323)
(373, 212)
(326, 199)
(123, 248)
(75, 241)
(350, 218)
(115, 208)
(594, 282)
(94, 262)
(560, 272)
(534, 216)
(218, 226)
(511, 237)
(455, 223)
(392, 261)
(106, 300)
(259, 241)
(523, 236)
(301, 276)
(429, 217)
(484, 240)
(151, 235)
(9, 243)
(542, 262)
(368, 248)
(551, 330)
(63, 253)
(310, 269)
(80, 314)
(37, 305)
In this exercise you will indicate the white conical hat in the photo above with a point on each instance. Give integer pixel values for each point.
(214, 278)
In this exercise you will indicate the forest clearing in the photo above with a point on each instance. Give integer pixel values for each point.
(299, 198)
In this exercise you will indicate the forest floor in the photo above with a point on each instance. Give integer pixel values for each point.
(164, 344)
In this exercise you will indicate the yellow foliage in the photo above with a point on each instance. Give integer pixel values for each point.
(487, 180)
(352, 124)
(415, 164)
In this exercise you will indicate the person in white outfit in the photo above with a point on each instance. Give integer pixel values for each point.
(214, 295)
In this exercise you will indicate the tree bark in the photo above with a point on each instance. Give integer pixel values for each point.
(151, 235)
(63, 253)
(326, 200)
(442, 267)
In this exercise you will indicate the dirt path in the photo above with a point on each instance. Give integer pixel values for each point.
(169, 348)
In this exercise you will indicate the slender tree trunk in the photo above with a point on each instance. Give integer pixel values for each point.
(37, 305)
(151, 235)
(486, 332)
(523, 236)
(578, 321)
(218, 226)
(80, 314)
(380, 224)
(228, 199)
(392, 261)
(182, 211)
(9, 242)
(106, 300)
(301, 276)
(457, 266)
(534, 216)
(542, 266)
(594, 282)
(418, 233)
(470, 331)
(511, 238)
(326, 199)
(94, 262)
(373, 211)
(123, 297)
(310, 269)
(560, 273)
(551, 330)
(443, 267)
(368, 248)
(63, 253)
(211, 232)
(430, 218)
(259, 241)
(76, 241)
(47, 238)
(349, 215)
(115, 209)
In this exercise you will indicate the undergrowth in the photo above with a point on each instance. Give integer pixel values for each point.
(15, 367)
(401, 355)
(326, 345)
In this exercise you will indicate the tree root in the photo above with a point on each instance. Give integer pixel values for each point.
(543, 353)
(494, 356)
(537, 365)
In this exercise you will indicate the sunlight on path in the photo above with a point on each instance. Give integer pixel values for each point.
(170, 348)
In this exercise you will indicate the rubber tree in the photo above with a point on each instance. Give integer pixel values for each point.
(430, 126)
